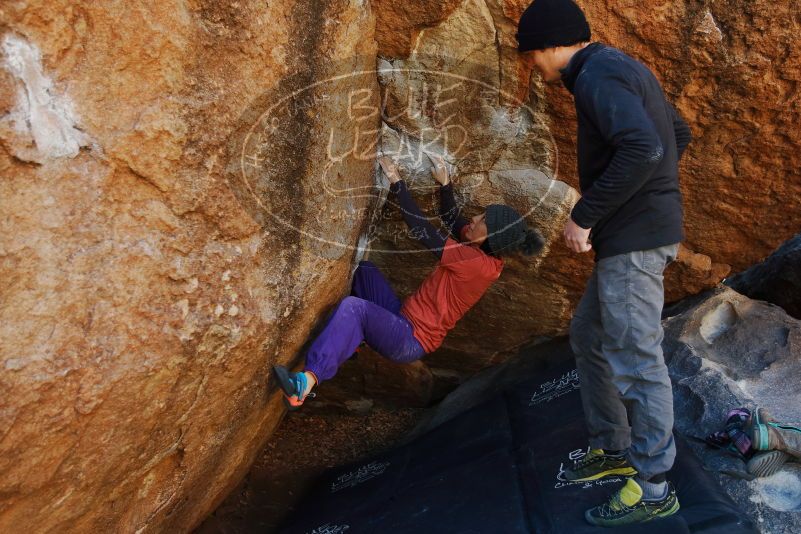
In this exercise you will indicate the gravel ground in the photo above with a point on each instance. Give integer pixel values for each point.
(305, 445)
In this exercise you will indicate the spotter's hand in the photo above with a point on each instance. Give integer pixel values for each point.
(390, 168)
(439, 170)
(576, 237)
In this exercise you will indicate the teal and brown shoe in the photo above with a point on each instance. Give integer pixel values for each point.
(596, 464)
(627, 507)
(769, 435)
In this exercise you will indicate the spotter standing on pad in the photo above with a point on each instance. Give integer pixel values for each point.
(630, 140)
(469, 262)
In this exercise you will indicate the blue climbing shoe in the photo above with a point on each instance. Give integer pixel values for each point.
(296, 387)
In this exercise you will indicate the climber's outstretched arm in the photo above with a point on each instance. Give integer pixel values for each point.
(449, 212)
(418, 224)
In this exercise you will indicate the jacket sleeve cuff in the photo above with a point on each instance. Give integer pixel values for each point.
(397, 187)
(579, 216)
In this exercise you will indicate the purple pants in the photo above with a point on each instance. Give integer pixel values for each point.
(371, 314)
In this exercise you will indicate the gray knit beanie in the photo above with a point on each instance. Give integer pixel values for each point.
(507, 232)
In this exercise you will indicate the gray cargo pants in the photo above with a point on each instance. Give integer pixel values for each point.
(616, 335)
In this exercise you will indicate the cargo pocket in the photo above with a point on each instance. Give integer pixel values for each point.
(613, 278)
(653, 260)
(613, 294)
(656, 260)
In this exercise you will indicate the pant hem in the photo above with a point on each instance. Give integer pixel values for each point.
(599, 445)
(314, 374)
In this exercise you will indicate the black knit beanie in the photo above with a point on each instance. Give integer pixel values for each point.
(551, 23)
(507, 232)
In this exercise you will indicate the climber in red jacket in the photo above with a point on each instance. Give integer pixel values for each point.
(469, 262)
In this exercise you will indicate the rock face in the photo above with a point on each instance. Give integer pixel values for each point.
(368, 380)
(728, 351)
(692, 273)
(166, 236)
(460, 91)
(776, 280)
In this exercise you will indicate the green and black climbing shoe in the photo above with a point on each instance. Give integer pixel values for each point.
(596, 464)
(627, 507)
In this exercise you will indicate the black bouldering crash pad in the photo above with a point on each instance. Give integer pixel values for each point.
(497, 468)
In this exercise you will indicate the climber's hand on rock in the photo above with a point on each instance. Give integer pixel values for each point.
(576, 237)
(439, 170)
(390, 168)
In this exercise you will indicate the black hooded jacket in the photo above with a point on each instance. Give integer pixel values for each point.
(630, 140)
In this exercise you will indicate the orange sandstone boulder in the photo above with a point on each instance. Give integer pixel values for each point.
(163, 241)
